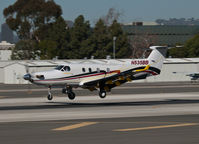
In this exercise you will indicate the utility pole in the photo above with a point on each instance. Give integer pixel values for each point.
(114, 39)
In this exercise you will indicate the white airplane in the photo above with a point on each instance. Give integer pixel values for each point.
(194, 76)
(101, 77)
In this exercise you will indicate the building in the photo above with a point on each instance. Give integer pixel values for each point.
(11, 72)
(161, 34)
(6, 50)
(150, 23)
(6, 33)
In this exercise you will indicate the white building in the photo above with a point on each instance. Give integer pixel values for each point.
(11, 72)
(6, 50)
(141, 23)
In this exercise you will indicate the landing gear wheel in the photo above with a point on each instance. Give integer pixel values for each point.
(102, 94)
(71, 95)
(50, 97)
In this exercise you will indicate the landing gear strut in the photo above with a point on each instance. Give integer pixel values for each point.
(50, 97)
(68, 90)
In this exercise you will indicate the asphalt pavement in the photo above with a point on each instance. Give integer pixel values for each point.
(28, 91)
(143, 130)
(140, 113)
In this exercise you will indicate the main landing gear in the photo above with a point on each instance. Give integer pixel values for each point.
(68, 90)
(102, 93)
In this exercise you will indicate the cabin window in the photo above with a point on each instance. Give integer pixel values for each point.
(108, 69)
(89, 69)
(66, 68)
(83, 70)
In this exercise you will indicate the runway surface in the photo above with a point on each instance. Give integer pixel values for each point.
(28, 91)
(134, 113)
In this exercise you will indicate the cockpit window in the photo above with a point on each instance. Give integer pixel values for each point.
(62, 68)
(59, 67)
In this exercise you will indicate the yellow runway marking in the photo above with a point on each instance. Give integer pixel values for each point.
(156, 127)
(75, 126)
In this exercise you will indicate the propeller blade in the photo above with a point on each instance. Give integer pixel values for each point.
(27, 76)
(27, 69)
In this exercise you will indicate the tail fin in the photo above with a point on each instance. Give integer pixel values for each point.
(157, 56)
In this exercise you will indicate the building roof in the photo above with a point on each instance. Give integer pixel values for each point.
(144, 23)
(52, 63)
(5, 45)
(181, 60)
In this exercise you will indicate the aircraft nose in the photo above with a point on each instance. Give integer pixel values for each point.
(27, 77)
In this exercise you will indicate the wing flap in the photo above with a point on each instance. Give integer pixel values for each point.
(116, 78)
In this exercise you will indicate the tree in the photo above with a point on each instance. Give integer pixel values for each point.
(190, 49)
(100, 40)
(48, 49)
(32, 20)
(25, 49)
(178, 52)
(79, 34)
(112, 15)
(27, 16)
(58, 36)
(122, 46)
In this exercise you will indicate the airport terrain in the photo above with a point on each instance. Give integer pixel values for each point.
(133, 113)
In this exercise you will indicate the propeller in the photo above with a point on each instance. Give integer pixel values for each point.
(27, 77)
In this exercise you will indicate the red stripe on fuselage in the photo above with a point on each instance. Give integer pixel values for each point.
(153, 73)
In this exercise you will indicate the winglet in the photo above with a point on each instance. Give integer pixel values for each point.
(140, 70)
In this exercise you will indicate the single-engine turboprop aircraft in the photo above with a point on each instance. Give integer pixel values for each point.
(194, 75)
(101, 77)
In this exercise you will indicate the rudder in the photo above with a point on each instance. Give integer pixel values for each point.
(157, 56)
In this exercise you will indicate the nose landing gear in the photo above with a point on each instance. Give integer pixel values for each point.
(50, 97)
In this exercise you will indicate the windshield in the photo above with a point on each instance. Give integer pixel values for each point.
(62, 68)
(59, 67)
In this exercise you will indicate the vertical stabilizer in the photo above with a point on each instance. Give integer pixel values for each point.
(157, 56)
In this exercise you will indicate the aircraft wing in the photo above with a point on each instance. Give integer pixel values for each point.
(112, 79)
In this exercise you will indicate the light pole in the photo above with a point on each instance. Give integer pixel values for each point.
(114, 39)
